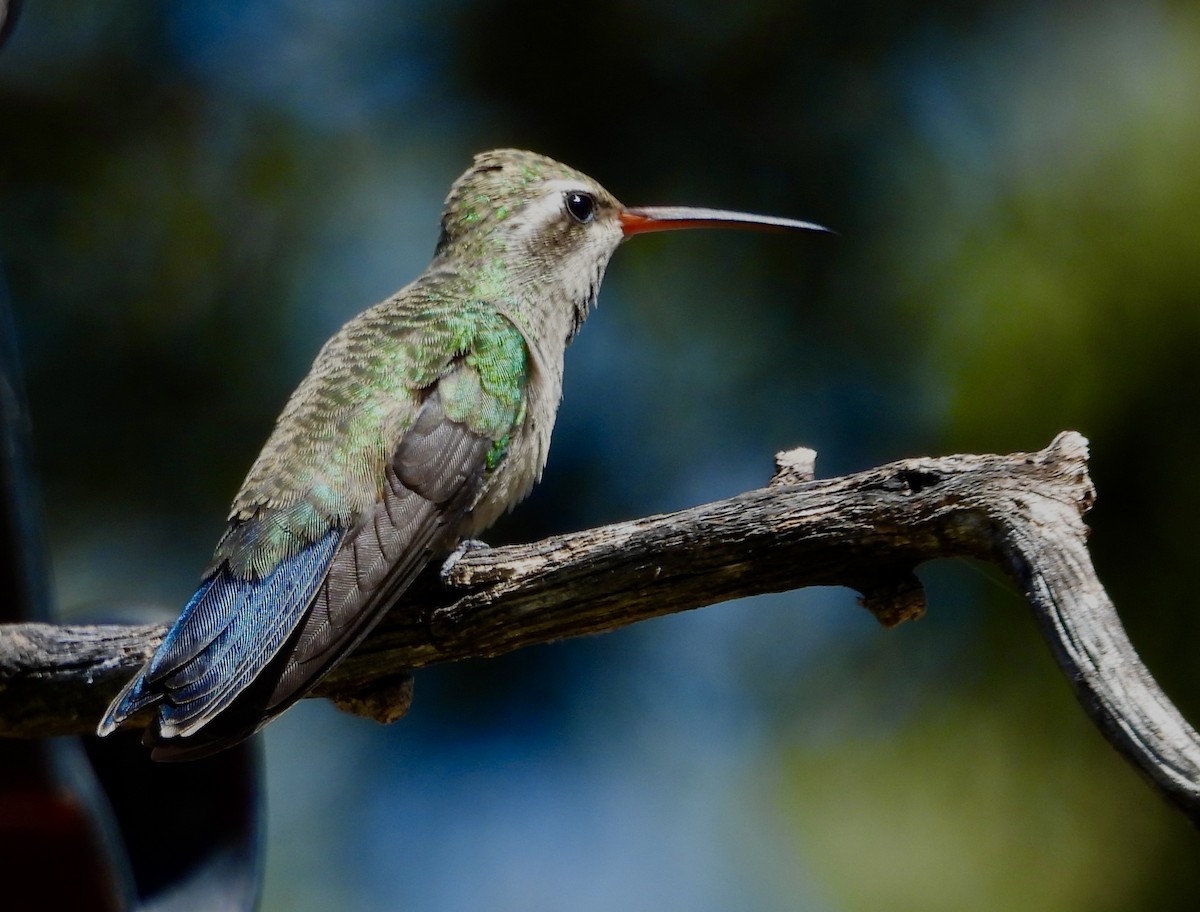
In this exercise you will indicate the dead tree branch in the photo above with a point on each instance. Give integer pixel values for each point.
(869, 531)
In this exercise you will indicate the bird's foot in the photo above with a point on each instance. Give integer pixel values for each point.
(465, 546)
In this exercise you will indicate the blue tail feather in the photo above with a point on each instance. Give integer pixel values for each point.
(250, 640)
(263, 614)
(228, 632)
(203, 618)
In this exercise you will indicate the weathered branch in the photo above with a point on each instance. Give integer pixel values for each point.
(868, 531)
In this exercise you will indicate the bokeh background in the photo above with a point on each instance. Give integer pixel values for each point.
(194, 195)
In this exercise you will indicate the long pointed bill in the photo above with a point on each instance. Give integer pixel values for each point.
(642, 219)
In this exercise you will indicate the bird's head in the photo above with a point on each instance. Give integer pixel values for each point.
(546, 225)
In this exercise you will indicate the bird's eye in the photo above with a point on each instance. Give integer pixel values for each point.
(581, 207)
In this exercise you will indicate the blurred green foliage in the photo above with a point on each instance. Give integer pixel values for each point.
(194, 195)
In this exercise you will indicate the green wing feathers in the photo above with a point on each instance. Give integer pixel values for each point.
(488, 395)
(325, 464)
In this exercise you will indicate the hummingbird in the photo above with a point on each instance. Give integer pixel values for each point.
(421, 421)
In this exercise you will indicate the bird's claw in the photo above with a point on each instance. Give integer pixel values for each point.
(464, 547)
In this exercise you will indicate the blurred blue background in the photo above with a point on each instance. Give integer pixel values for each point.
(194, 195)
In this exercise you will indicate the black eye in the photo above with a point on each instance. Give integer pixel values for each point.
(581, 207)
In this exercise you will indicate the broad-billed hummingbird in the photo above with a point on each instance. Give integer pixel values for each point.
(422, 420)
